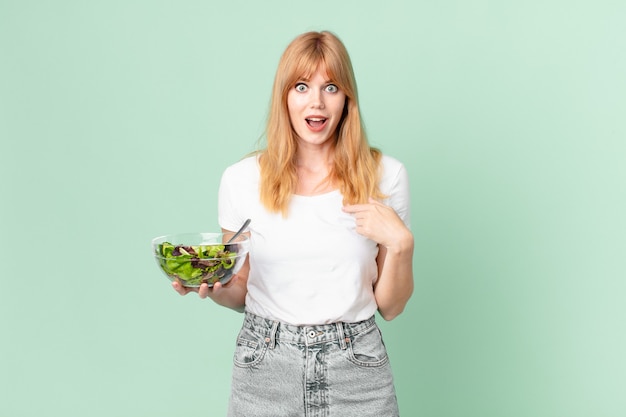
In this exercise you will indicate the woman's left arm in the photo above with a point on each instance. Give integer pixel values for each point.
(382, 224)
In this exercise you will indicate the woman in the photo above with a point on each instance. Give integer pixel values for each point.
(330, 246)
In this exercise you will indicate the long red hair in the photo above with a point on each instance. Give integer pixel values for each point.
(356, 164)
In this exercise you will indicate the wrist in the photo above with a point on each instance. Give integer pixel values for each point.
(403, 244)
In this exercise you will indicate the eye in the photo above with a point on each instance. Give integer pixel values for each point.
(301, 87)
(332, 88)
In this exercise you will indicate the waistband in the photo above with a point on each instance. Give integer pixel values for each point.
(307, 335)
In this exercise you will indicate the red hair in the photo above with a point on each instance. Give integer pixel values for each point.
(356, 164)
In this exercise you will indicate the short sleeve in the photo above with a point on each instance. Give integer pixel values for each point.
(228, 217)
(395, 184)
(238, 193)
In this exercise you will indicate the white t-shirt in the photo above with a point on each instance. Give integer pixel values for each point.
(310, 267)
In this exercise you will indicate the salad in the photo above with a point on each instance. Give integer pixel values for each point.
(194, 265)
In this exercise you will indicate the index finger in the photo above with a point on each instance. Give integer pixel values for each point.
(354, 208)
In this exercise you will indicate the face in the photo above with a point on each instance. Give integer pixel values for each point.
(315, 109)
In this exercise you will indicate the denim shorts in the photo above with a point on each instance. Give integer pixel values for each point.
(332, 370)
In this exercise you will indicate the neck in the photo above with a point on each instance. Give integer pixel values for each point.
(314, 173)
(317, 159)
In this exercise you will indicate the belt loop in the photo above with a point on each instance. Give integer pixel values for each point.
(273, 334)
(341, 335)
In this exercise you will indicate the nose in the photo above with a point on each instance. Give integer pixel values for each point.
(317, 99)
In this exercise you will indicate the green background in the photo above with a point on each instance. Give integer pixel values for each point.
(117, 118)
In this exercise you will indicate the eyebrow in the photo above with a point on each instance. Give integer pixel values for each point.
(309, 80)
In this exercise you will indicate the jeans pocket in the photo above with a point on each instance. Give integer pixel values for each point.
(367, 349)
(249, 350)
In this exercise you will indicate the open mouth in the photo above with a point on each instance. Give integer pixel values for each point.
(316, 122)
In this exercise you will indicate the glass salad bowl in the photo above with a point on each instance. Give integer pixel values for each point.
(196, 258)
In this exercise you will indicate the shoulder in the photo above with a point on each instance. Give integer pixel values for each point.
(247, 164)
(393, 171)
(244, 169)
(389, 163)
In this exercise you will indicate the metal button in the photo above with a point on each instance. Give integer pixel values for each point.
(312, 334)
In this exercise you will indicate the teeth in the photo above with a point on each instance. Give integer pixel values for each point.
(314, 119)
